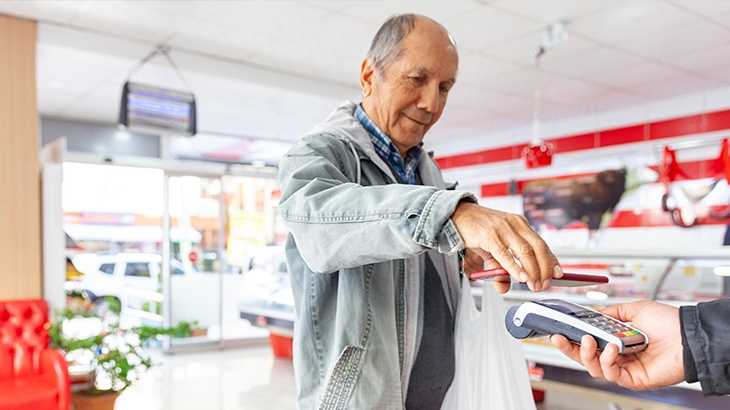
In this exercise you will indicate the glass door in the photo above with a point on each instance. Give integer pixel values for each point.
(257, 297)
(226, 263)
(192, 270)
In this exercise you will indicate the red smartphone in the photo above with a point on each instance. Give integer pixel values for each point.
(568, 279)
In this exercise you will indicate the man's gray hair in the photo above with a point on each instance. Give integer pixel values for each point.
(387, 44)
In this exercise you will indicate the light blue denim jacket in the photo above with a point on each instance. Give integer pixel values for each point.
(356, 246)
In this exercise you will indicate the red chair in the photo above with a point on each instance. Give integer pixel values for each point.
(32, 376)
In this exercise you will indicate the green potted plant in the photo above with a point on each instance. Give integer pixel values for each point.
(115, 355)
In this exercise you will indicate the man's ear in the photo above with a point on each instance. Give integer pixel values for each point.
(367, 76)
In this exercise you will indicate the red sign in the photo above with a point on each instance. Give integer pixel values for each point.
(193, 256)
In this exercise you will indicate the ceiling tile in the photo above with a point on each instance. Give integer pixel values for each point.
(55, 11)
(592, 63)
(311, 62)
(328, 36)
(452, 130)
(220, 40)
(635, 76)
(329, 5)
(130, 19)
(708, 59)
(522, 83)
(487, 27)
(682, 39)
(86, 72)
(708, 8)
(603, 99)
(277, 19)
(487, 101)
(97, 106)
(551, 11)
(628, 19)
(680, 85)
(518, 50)
(475, 68)
(722, 74)
(187, 8)
(376, 12)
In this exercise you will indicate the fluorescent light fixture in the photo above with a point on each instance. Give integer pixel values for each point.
(594, 295)
(721, 271)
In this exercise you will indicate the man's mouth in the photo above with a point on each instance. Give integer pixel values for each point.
(421, 122)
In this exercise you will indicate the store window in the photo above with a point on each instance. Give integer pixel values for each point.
(225, 249)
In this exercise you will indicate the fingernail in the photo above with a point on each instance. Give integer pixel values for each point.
(558, 271)
(545, 284)
(524, 277)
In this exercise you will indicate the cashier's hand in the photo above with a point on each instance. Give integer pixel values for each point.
(659, 365)
(501, 239)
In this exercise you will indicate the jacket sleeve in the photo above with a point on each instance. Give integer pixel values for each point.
(338, 223)
(705, 336)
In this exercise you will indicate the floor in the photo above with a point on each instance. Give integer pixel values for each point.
(253, 379)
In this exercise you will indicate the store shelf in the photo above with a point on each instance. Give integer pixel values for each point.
(717, 253)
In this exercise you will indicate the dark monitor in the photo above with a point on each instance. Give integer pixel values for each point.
(148, 108)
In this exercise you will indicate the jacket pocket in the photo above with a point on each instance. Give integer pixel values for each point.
(341, 381)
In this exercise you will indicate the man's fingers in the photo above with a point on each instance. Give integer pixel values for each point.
(501, 286)
(612, 311)
(536, 260)
(611, 370)
(503, 256)
(510, 240)
(566, 347)
(588, 357)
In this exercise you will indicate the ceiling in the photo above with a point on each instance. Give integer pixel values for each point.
(273, 69)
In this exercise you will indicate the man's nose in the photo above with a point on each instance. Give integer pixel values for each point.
(430, 100)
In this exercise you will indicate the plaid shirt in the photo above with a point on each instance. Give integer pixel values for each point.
(388, 151)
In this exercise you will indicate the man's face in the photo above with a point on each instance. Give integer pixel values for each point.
(412, 94)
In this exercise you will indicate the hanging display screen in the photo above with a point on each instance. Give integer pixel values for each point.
(148, 108)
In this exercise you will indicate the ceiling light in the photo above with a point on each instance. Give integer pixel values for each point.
(594, 295)
(722, 271)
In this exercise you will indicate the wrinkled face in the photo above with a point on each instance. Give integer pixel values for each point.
(412, 94)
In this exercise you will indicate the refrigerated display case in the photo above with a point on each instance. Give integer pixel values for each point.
(672, 276)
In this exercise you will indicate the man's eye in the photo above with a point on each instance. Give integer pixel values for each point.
(444, 90)
(417, 80)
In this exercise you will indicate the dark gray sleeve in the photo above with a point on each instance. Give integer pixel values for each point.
(706, 341)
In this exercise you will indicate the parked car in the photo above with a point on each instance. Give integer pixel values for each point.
(121, 275)
(265, 297)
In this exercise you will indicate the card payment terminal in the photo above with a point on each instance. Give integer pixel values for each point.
(557, 316)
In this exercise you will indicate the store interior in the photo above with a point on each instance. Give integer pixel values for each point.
(604, 123)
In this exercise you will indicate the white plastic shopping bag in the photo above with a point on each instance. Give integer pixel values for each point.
(490, 366)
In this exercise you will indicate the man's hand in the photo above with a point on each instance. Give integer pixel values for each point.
(501, 239)
(659, 365)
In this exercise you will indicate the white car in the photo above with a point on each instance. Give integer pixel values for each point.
(121, 275)
(265, 298)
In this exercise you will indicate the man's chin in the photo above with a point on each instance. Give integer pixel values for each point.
(411, 139)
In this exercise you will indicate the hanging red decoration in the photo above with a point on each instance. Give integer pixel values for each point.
(671, 171)
(540, 155)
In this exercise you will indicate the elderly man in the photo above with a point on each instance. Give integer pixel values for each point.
(374, 235)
